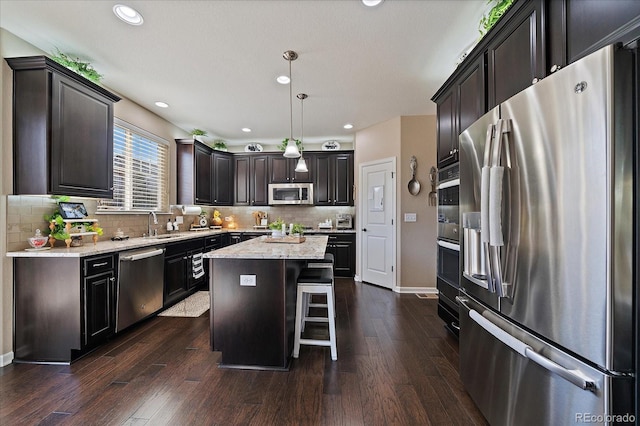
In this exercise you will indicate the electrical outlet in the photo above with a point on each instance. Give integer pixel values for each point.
(248, 280)
(179, 219)
(410, 217)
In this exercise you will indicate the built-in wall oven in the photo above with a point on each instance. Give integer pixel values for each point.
(448, 279)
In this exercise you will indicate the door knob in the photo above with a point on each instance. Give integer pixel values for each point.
(364, 229)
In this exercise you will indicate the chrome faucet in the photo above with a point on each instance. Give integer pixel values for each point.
(152, 232)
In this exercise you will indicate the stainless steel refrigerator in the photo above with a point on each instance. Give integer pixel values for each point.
(547, 331)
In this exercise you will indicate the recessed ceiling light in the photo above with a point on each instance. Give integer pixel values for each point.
(371, 3)
(283, 79)
(246, 129)
(162, 104)
(127, 14)
(348, 126)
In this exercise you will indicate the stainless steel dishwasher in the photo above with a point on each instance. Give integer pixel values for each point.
(140, 285)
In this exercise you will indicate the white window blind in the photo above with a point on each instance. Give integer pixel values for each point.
(140, 170)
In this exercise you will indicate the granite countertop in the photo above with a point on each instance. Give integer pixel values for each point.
(105, 245)
(313, 247)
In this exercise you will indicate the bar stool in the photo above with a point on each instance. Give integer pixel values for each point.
(315, 281)
(327, 263)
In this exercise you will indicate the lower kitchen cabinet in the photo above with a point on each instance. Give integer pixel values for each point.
(99, 290)
(64, 306)
(343, 248)
(179, 279)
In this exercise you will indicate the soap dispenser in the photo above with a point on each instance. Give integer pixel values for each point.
(169, 225)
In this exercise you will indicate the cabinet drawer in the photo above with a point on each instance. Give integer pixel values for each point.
(180, 248)
(98, 264)
(213, 242)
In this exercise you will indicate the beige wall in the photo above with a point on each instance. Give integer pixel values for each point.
(418, 238)
(402, 137)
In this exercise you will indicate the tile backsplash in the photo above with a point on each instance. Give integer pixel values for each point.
(25, 214)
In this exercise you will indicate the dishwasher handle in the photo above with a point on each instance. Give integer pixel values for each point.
(143, 255)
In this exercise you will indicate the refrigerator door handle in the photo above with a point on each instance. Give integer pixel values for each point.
(573, 376)
(484, 205)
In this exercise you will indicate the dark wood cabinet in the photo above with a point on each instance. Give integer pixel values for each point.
(447, 136)
(333, 182)
(242, 181)
(471, 97)
(63, 306)
(222, 179)
(203, 184)
(577, 28)
(205, 176)
(460, 107)
(179, 278)
(99, 291)
(282, 170)
(516, 55)
(343, 248)
(251, 180)
(62, 131)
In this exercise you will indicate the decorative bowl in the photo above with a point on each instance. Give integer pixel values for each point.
(37, 242)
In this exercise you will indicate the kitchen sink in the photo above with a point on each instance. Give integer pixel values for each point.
(162, 237)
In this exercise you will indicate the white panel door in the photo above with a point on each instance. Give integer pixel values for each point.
(377, 229)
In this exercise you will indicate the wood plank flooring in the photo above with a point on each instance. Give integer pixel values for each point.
(397, 365)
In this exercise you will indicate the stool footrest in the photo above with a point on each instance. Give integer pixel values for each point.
(315, 342)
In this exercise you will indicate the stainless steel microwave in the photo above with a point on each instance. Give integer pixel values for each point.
(291, 193)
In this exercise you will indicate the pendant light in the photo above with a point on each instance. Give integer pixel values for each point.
(291, 151)
(301, 167)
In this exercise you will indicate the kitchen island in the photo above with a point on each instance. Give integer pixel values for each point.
(252, 286)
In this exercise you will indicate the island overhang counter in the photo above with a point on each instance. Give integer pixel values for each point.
(252, 286)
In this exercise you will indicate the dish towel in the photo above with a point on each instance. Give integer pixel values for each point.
(197, 265)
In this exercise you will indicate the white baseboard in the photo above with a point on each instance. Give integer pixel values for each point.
(357, 278)
(6, 359)
(421, 290)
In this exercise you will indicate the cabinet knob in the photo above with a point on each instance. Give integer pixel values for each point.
(555, 67)
(112, 279)
(535, 80)
(364, 229)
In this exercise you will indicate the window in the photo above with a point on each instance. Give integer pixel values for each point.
(140, 162)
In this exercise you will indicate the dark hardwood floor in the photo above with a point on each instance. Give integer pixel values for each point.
(397, 365)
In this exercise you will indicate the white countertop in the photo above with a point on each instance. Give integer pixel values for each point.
(313, 247)
(105, 245)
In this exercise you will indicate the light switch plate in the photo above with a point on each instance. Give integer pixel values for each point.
(410, 217)
(179, 219)
(248, 280)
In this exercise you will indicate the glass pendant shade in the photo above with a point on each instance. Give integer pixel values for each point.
(301, 167)
(291, 151)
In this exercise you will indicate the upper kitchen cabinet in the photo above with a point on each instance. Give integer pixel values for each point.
(222, 179)
(458, 108)
(252, 180)
(580, 27)
(62, 131)
(283, 170)
(516, 54)
(333, 182)
(205, 176)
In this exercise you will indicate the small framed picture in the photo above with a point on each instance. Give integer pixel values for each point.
(72, 210)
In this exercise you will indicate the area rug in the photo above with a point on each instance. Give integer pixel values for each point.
(193, 306)
(426, 295)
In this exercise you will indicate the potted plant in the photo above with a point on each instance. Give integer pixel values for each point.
(198, 134)
(85, 69)
(276, 227)
(59, 230)
(490, 18)
(219, 145)
(297, 229)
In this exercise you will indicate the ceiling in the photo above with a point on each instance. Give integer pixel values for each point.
(215, 62)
